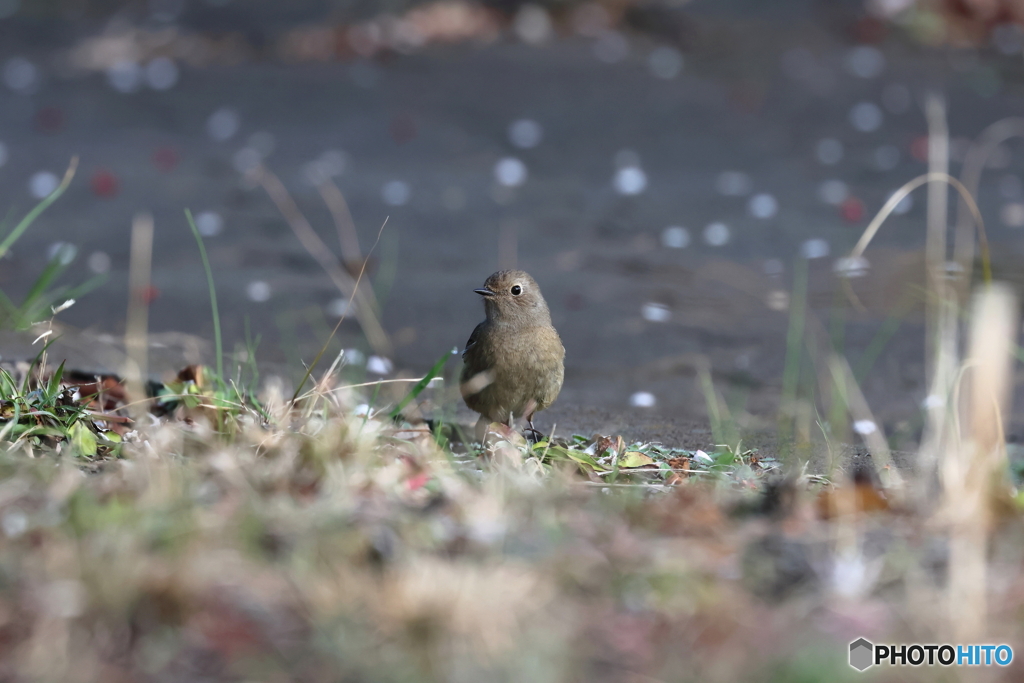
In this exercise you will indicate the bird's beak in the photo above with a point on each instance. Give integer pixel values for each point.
(484, 292)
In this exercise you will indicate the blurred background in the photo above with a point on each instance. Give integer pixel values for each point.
(670, 172)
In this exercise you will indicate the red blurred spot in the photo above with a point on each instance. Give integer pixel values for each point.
(403, 128)
(418, 481)
(870, 30)
(104, 184)
(919, 148)
(165, 159)
(149, 295)
(49, 120)
(852, 210)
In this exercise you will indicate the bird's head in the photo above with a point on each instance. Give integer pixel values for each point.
(512, 295)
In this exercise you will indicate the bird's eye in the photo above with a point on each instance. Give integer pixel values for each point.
(516, 290)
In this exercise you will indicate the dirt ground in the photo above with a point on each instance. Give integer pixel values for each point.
(757, 93)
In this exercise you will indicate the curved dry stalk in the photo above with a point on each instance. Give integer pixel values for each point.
(365, 303)
(348, 239)
(906, 189)
(974, 164)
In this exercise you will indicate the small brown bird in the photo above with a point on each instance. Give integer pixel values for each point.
(513, 360)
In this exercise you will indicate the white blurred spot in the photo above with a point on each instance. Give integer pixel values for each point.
(532, 24)
(833, 192)
(851, 267)
(733, 183)
(829, 151)
(61, 252)
(932, 401)
(701, 455)
(866, 117)
(362, 410)
(814, 248)
(716, 234)
(656, 313)
(258, 291)
(510, 172)
(865, 61)
(665, 62)
(246, 159)
(777, 300)
(3, 154)
(865, 427)
(354, 357)
(99, 262)
(161, 73)
(887, 157)
(525, 133)
(1010, 186)
(763, 206)
(896, 98)
(642, 399)
(41, 184)
(773, 266)
(904, 205)
(1008, 38)
(611, 47)
(630, 180)
(21, 75)
(887, 9)
(338, 307)
(125, 76)
(1012, 215)
(14, 523)
(223, 124)
(675, 237)
(209, 223)
(378, 365)
(395, 192)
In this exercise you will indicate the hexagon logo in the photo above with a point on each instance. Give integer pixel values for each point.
(861, 654)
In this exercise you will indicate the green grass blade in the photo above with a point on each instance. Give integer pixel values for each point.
(422, 384)
(213, 295)
(50, 273)
(54, 385)
(27, 221)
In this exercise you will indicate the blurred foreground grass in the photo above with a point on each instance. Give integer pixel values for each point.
(323, 542)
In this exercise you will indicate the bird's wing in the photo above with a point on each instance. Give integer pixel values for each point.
(473, 338)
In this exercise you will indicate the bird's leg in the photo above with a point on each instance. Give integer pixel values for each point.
(537, 436)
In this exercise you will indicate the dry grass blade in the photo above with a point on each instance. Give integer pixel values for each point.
(365, 303)
(973, 466)
(860, 411)
(899, 195)
(355, 291)
(137, 323)
(347, 236)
